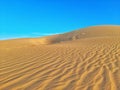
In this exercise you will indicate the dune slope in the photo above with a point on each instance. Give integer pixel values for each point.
(86, 59)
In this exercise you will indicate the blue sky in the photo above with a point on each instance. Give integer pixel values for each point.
(32, 18)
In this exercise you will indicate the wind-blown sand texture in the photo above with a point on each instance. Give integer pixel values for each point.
(86, 59)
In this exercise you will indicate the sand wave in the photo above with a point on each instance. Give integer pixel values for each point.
(85, 63)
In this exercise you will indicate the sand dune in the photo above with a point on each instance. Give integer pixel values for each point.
(86, 59)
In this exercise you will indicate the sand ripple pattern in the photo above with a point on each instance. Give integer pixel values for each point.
(87, 64)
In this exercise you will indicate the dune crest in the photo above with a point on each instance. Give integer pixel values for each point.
(86, 59)
(96, 31)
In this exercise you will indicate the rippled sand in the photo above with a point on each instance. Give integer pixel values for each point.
(87, 59)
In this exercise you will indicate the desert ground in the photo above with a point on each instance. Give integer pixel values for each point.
(86, 59)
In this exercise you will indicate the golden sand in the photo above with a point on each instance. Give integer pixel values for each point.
(86, 59)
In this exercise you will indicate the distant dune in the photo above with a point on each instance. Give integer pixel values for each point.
(86, 59)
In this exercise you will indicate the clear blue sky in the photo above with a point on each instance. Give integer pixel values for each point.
(31, 18)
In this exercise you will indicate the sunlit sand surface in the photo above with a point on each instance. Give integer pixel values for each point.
(86, 59)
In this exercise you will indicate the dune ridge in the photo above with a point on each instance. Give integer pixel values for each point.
(86, 59)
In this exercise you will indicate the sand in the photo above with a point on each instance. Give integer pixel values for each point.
(86, 59)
